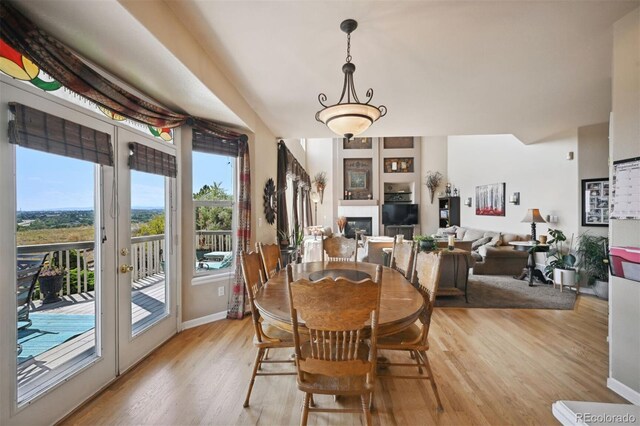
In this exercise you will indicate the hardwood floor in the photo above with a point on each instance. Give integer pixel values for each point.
(492, 367)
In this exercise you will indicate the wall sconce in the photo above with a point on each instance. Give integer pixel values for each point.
(551, 218)
(570, 155)
(515, 199)
(467, 202)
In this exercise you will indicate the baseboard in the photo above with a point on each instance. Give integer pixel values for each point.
(624, 391)
(204, 320)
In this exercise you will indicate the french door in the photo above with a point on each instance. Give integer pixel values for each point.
(146, 255)
(119, 300)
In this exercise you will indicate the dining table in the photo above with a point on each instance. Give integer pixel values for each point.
(400, 302)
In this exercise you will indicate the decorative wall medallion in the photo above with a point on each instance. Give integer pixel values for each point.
(269, 201)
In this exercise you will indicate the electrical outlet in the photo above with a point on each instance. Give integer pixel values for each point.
(259, 221)
(221, 291)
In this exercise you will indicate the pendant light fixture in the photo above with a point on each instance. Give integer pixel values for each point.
(349, 117)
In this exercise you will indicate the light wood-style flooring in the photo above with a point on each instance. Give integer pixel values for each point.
(492, 367)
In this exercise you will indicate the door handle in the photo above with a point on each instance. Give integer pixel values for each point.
(126, 268)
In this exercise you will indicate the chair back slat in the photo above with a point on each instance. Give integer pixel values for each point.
(427, 276)
(271, 260)
(340, 248)
(28, 267)
(402, 256)
(335, 313)
(253, 281)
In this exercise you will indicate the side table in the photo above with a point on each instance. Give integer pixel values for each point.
(530, 270)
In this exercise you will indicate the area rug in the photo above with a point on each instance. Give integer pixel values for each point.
(505, 292)
(49, 331)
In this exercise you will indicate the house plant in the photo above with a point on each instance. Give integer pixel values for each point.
(50, 280)
(592, 259)
(425, 242)
(560, 261)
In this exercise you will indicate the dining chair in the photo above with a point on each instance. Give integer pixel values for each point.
(333, 357)
(271, 260)
(402, 256)
(265, 336)
(339, 249)
(415, 338)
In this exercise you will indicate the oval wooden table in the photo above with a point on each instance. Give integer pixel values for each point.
(400, 302)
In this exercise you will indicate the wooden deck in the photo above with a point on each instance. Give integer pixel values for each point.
(37, 373)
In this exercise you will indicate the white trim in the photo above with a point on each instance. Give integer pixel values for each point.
(214, 277)
(204, 320)
(563, 414)
(624, 391)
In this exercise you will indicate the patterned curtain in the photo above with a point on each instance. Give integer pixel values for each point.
(236, 308)
(67, 68)
(282, 217)
(296, 220)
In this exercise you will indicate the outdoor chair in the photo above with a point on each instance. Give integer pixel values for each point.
(27, 271)
(332, 356)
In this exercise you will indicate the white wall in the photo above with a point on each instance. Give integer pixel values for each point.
(624, 295)
(540, 172)
(593, 156)
(433, 157)
(320, 153)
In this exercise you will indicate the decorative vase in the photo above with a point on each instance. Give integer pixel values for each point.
(50, 287)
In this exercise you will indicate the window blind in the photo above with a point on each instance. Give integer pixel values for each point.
(205, 142)
(35, 129)
(149, 160)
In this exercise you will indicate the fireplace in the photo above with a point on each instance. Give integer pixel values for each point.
(359, 223)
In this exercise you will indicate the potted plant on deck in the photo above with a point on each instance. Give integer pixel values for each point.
(50, 280)
(560, 261)
(592, 259)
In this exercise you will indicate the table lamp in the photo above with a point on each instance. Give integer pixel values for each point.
(533, 216)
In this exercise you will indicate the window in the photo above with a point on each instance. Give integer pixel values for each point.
(214, 212)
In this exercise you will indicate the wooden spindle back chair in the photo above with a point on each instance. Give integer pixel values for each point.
(415, 338)
(402, 256)
(265, 336)
(271, 259)
(340, 248)
(333, 358)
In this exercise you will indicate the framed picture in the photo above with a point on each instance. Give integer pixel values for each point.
(595, 202)
(490, 200)
(356, 180)
(398, 165)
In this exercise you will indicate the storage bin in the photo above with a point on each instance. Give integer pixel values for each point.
(625, 262)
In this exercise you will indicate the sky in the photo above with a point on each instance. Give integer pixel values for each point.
(53, 182)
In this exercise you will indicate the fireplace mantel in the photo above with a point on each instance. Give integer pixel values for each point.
(357, 202)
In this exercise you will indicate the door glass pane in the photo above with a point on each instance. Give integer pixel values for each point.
(56, 268)
(148, 249)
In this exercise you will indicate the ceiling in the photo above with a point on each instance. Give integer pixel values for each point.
(528, 68)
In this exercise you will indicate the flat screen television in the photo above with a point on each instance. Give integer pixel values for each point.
(399, 214)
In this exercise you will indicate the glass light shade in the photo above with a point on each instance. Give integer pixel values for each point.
(315, 197)
(533, 216)
(351, 119)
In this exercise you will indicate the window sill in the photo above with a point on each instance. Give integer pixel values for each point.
(206, 279)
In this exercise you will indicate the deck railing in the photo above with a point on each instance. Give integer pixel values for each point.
(214, 240)
(147, 256)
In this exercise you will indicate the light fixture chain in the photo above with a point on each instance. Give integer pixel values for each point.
(348, 47)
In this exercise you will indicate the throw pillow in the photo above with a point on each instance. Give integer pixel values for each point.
(480, 242)
(496, 240)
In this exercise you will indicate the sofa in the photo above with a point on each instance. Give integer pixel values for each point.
(490, 250)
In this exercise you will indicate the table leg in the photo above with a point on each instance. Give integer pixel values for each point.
(466, 278)
(532, 267)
